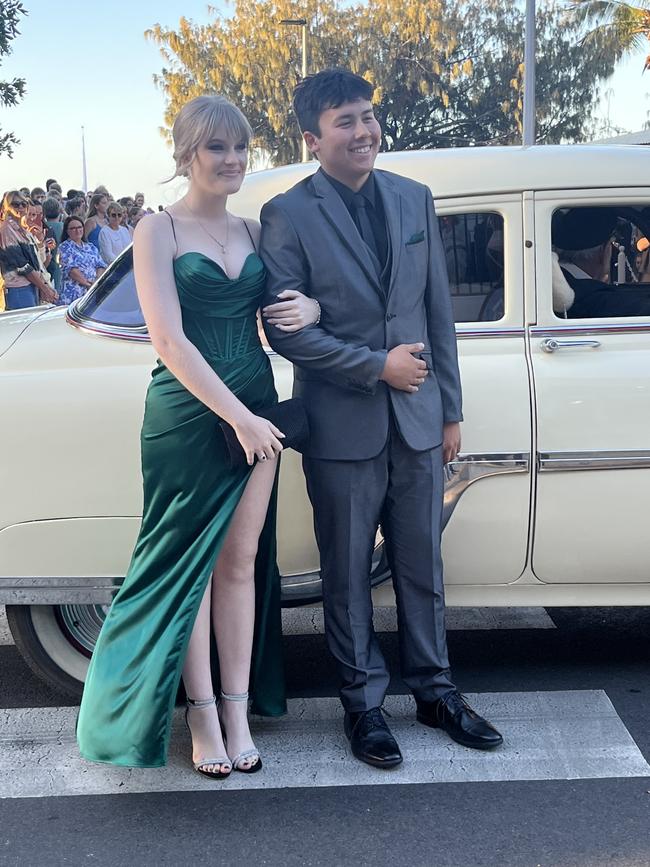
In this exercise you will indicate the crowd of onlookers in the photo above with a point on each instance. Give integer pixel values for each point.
(53, 247)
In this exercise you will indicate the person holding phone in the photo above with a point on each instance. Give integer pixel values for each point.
(20, 266)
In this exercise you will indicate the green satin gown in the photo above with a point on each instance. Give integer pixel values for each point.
(190, 495)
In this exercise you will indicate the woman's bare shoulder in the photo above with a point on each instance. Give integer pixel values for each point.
(159, 223)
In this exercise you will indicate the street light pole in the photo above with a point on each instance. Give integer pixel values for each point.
(301, 22)
(529, 77)
(84, 170)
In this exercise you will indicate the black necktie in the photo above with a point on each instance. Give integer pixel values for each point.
(363, 224)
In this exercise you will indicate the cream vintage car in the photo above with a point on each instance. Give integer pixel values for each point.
(548, 502)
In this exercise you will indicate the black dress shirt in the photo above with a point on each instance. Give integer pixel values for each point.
(372, 224)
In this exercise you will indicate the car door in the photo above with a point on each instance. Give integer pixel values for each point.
(487, 496)
(592, 397)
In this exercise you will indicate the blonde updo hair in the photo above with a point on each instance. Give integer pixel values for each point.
(201, 119)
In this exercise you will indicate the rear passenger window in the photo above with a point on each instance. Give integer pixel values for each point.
(473, 245)
(113, 300)
(601, 261)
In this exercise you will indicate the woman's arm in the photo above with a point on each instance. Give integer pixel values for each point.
(294, 310)
(105, 247)
(153, 252)
(16, 257)
(89, 225)
(46, 293)
(76, 275)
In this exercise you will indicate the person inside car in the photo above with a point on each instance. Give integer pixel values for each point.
(583, 240)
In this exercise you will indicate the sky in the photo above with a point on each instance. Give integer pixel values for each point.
(90, 65)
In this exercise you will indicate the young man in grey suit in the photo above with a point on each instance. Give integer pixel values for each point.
(379, 378)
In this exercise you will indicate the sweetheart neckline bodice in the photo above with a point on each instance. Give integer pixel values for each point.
(218, 265)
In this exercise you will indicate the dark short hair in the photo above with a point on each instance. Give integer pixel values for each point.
(51, 208)
(37, 191)
(76, 202)
(327, 89)
(49, 182)
(64, 231)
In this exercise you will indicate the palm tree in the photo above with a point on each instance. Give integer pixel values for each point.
(623, 27)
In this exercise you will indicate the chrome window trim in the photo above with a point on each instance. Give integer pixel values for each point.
(470, 468)
(76, 317)
(137, 334)
(593, 328)
(634, 459)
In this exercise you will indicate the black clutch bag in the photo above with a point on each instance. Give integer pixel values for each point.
(288, 415)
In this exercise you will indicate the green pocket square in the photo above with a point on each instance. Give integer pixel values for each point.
(416, 238)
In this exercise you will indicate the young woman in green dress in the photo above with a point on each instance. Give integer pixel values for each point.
(205, 555)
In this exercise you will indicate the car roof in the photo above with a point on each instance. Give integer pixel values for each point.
(481, 171)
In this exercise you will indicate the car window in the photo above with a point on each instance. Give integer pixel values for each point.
(601, 261)
(473, 245)
(113, 300)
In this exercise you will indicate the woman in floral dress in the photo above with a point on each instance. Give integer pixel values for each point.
(81, 263)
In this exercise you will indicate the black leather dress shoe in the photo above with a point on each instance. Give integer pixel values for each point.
(452, 714)
(370, 738)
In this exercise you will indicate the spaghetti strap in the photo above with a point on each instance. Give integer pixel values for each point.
(174, 230)
(249, 235)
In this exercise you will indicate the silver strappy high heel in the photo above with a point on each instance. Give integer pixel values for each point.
(200, 766)
(246, 755)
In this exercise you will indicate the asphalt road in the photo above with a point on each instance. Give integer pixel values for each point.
(589, 676)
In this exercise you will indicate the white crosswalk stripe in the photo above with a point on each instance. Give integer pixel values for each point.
(548, 735)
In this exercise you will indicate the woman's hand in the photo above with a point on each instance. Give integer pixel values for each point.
(293, 312)
(258, 437)
(49, 295)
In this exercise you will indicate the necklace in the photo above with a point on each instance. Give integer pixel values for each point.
(224, 247)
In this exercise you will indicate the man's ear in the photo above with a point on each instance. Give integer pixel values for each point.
(312, 141)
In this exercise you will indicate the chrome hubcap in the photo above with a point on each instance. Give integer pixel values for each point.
(81, 624)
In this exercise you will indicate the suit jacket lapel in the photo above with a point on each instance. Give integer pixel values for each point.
(338, 216)
(393, 209)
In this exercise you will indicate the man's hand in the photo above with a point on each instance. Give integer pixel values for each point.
(402, 370)
(450, 441)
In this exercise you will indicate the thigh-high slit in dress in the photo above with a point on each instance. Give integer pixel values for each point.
(190, 495)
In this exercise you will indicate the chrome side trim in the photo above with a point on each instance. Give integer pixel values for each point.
(58, 590)
(597, 460)
(577, 329)
(475, 333)
(471, 468)
(138, 334)
(141, 335)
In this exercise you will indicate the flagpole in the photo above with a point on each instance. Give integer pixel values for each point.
(84, 171)
(529, 76)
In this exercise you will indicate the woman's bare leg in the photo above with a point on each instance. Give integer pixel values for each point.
(207, 741)
(233, 602)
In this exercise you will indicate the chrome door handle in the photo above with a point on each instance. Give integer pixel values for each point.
(552, 345)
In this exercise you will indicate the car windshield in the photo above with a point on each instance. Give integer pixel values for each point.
(113, 299)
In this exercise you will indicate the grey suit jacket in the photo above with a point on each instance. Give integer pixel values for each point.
(310, 243)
